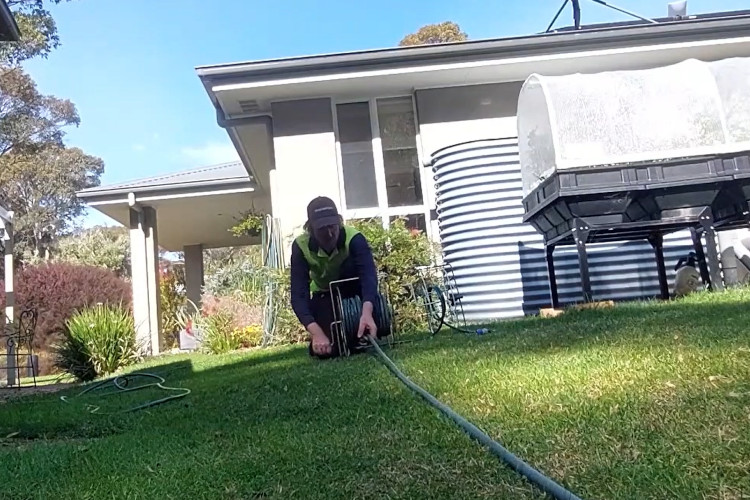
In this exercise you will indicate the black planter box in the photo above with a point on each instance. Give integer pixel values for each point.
(642, 202)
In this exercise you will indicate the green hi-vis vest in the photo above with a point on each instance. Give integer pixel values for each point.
(325, 268)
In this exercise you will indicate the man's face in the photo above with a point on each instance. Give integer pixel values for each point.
(327, 236)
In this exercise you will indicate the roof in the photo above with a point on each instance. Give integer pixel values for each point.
(225, 175)
(724, 24)
(8, 27)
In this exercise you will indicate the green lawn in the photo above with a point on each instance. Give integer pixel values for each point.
(642, 401)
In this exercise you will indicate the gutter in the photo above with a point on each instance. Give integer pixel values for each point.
(551, 43)
(166, 191)
(9, 31)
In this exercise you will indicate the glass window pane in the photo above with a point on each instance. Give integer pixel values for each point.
(355, 136)
(398, 136)
(412, 221)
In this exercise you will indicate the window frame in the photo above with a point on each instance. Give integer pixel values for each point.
(382, 210)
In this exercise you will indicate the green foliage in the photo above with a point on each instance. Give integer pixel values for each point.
(397, 252)
(100, 246)
(220, 334)
(251, 224)
(282, 324)
(173, 295)
(230, 269)
(39, 175)
(37, 28)
(97, 341)
(435, 33)
(217, 332)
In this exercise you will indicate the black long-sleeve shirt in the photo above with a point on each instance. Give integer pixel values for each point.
(359, 264)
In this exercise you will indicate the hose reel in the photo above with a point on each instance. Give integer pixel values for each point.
(346, 314)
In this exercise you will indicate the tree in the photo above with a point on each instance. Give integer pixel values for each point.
(99, 246)
(38, 32)
(39, 175)
(30, 121)
(41, 190)
(447, 31)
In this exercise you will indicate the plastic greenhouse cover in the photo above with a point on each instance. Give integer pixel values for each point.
(684, 110)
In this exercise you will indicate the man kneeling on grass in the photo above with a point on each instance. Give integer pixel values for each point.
(328, 251)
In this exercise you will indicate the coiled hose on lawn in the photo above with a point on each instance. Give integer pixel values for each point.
(122, 384)
(351, 310)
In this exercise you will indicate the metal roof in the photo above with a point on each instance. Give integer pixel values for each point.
(222, 175)
(706, 26)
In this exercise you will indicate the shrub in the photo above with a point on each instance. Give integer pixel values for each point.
(97, 341)
(107, 247)
(279, 317)
(242, 314)
(397, 252)
(173, 294)
(58, 290)
(220, 335)
(230, 269)
(227, 323)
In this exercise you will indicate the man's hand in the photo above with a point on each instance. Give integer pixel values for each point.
(366, 321)
(320, 343)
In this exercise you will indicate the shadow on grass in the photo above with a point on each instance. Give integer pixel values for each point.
(263, 423)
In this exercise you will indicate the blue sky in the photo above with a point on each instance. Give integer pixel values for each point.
(129, 65)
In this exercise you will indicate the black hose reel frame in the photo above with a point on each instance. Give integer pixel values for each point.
(343, 340)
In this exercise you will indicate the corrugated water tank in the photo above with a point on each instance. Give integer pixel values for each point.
(499, 261)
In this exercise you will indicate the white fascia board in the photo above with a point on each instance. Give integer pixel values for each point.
(125, 199)
(506, 61)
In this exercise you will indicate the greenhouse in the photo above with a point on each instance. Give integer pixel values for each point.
(626, 155)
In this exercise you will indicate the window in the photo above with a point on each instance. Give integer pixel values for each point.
(379, 159)
(357, 160)
(398, 138)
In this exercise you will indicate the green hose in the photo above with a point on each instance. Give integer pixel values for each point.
(121, 383)
(351, 311)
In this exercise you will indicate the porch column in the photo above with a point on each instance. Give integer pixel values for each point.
(144, 250)
(194, 273)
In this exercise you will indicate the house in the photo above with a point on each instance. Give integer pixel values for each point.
(367, 129)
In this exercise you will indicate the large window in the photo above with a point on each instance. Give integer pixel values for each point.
(357, 159)
(398, 139)
(380, 166)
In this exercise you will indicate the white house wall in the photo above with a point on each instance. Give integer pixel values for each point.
(305, 154)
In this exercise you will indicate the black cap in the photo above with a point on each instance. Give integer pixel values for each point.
(322, 212)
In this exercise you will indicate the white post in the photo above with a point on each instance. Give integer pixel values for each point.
(6, 220)
(194, 273)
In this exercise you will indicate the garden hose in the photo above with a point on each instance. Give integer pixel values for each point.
(122, 383)
(351, 310)
(441, 319)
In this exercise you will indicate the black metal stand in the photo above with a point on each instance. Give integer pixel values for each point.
(552, 278)
(657, 242)
(581, 233)
(21, 361)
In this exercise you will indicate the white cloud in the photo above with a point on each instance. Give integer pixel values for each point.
(139, 147)
(211, 153)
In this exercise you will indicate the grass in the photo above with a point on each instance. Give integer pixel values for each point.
(638, 402)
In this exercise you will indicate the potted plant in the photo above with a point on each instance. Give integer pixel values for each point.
(251, 224)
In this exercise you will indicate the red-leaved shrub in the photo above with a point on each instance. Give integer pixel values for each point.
(57, 290)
